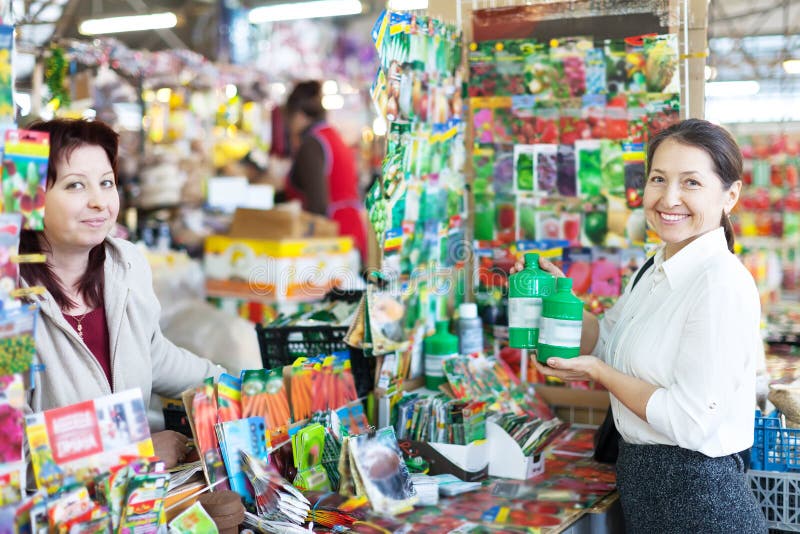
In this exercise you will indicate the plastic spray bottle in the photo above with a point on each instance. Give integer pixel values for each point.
(562, 321)
(525, 292)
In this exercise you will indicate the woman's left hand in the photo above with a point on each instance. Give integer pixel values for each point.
(571, 369)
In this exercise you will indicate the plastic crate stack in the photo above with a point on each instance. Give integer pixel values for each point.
(775, 471)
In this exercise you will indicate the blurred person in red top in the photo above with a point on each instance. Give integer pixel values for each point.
(323, 175)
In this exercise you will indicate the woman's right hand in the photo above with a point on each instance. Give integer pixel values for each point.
(544, 264)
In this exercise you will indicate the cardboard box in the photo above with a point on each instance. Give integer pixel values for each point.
(280, 224)
(587, 406)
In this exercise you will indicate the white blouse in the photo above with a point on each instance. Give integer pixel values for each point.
(691, 327)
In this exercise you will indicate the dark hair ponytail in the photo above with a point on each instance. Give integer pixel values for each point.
(717, 143)
(728, 227)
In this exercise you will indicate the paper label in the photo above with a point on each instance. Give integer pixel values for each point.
(524, 312)
(433, 364)
(560, 333)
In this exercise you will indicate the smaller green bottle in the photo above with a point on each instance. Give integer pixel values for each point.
(562, 320)
(525, 292)
(438, 347)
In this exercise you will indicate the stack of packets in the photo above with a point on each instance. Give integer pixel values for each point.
(440, 420)
(372, 466)
(532, 435)
(94, 468)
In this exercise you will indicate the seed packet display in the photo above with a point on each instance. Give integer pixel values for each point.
(385, 477)
(566, 181)
(25, 175)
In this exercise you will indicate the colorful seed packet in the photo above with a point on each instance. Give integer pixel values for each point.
(25, 175)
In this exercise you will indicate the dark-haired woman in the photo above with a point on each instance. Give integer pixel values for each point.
(679, 351)
(98, 331)
(323, 176)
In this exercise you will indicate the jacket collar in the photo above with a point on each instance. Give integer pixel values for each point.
(690, 260)
(115, 284)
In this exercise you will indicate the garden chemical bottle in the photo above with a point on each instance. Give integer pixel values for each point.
(438, 348)
(562, 319)
(470, 329)
(525, 292)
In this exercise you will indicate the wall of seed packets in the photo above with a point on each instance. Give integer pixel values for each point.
(24, 171)
(418, 206)
(560, 131)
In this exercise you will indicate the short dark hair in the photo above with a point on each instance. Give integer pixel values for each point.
(306, 97)
(66, 135)
(721, 147)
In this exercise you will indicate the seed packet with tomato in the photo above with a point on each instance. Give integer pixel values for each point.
(637, 118)
(663, 110)
(25, 175)
(616, 118)
(593, 111)
(523, 126)
(572, 124)
(483, 75)
(547, 113)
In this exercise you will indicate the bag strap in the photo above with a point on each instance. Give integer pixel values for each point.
(649, 263)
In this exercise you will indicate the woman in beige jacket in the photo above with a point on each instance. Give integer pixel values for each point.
(98, 331)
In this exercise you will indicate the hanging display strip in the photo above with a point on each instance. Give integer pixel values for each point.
(418, 206)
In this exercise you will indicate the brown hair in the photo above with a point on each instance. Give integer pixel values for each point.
(65, 136)
(306, 97)
(721, 147)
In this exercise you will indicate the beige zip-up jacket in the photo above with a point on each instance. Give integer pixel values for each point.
(141, 357)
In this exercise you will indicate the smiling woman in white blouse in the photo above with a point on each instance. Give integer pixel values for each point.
(678, 352)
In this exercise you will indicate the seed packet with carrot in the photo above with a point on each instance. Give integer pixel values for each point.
(263, 395)
(301, 388)
(229, 395)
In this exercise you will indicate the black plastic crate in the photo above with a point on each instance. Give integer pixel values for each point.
(281, 346)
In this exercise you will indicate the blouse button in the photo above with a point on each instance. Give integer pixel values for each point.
(712, 406)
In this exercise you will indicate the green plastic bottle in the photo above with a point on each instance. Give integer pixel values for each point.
(562, 320)
(525, 292)
(438, 348)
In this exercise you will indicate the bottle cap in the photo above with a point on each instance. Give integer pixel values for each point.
(532, 260)
(442, 342)
(563, 284)
(468, 310)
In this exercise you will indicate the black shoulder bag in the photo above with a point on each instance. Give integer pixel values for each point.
(606, 440)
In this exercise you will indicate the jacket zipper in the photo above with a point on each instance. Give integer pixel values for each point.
(116, 342)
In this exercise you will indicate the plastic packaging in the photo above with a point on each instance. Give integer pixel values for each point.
(562, 320)
(470, 329)
(525, 292)
(438, 347)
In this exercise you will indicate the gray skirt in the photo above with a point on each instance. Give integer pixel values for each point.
(668, 490)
